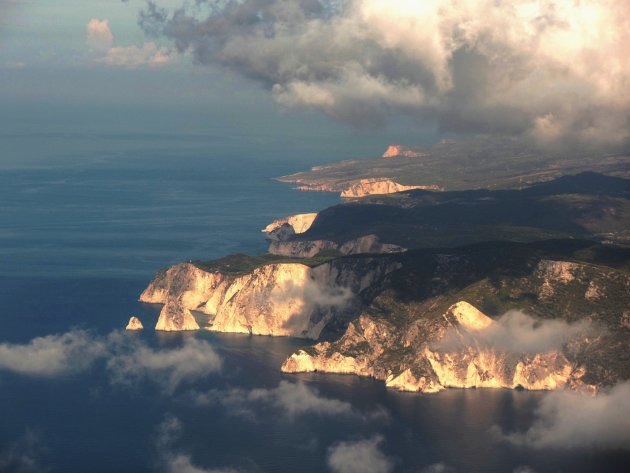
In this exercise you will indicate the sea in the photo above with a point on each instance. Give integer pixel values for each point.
(86, 220)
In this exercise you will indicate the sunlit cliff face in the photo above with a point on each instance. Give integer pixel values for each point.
(548, 70)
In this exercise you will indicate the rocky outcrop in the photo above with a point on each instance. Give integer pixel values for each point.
(379, 186)
(310, 248)
(450, 353)
(394, 151)
(283, 228)
(284, 299)
(134, 324)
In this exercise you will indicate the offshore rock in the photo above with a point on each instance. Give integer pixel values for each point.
(134, 324)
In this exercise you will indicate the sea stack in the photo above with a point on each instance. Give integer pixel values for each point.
(134, 324)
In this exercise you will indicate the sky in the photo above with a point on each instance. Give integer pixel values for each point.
(552, 72)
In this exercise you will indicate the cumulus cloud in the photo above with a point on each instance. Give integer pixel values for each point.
(127, 360)
(52, 355)
(195, 359)
(100, 40)
(517, 332)
(98, 35)
(362, 456)
(549, 70)
(566, 419)
(290, 399)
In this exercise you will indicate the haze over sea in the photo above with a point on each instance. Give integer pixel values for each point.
(86, 220)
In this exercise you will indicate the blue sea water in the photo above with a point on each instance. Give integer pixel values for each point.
(83, 232)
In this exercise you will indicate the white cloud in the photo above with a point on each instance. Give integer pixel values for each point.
(518, 333)
(195, 359)
(362, 456)
(565, 419)
(181, 463)
(440, 467)
(98, 36)
(127, 359)
(100, 40)
(52, 355)
(290, 399)
(133, 56)
(549, 70)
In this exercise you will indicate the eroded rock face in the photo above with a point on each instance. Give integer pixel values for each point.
(285, 227)
(174, 318)
(288, 299)
(450, 353)
(394, 151)
(310, 248)
(365, 187)
(134, 324)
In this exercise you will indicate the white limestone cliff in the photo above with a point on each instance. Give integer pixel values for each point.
(373, 186)
(299, 222)
(284, 299)
(310, 248)
(464, 362)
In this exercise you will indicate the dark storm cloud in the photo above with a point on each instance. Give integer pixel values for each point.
(551, 71)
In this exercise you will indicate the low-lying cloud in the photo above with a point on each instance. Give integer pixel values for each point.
(23, 456)
(554, 71)
(127, 360)
(52, 355)
(361, 456)
(518, 333)
(172, 461)
(566, 419)
(195, 359)
(291, 400)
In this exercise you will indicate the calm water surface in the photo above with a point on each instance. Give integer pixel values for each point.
(80, 237)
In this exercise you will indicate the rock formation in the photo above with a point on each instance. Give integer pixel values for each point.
(285, 227)
(134, 324)
(310, 248)
(285, 299)
(379, 186)
(463, 363)
(394, 151)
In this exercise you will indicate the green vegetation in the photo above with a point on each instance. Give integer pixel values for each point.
(239, 264)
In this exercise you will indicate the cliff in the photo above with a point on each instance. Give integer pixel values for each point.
(284, 299)
(365, 187)
(294, 224)
(310, 248)
(395, 151)
(430, 328)
(465, 363)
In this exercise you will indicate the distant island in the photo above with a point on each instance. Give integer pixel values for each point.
(423, 288)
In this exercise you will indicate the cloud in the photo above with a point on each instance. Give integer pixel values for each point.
(52, 355)
(100, 40)
(566, 419)
(176, 462)
(362, 456)
(291, 399)
(98, 36)
(195, 359)
(440, 467)
(518, 333)
(127, 359)
(551, 71)
(23, 456)
(133, 56)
